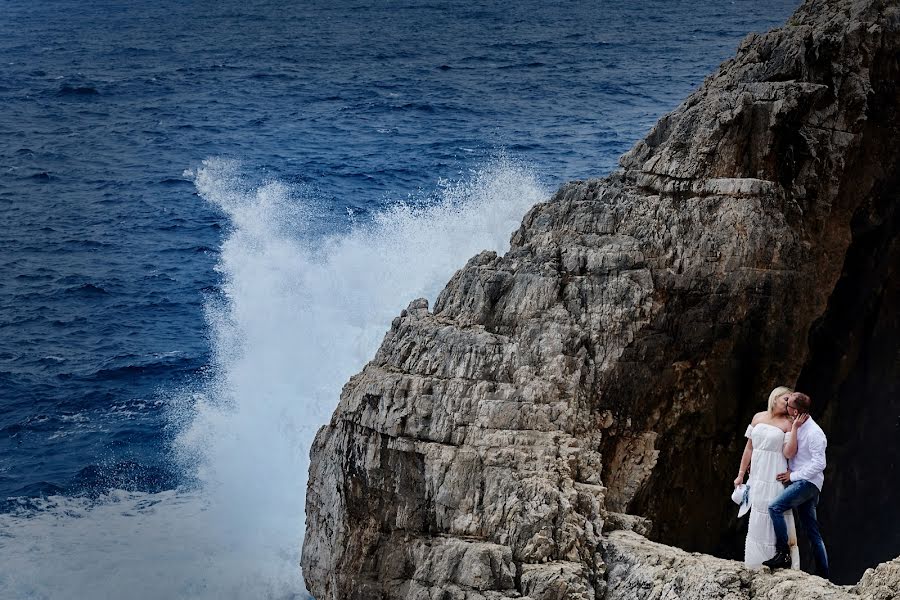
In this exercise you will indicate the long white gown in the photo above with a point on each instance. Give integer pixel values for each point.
(768, 461)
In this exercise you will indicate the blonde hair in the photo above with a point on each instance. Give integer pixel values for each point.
(773, 395)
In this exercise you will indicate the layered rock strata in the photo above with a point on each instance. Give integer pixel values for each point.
(602, 370)
(640, 569)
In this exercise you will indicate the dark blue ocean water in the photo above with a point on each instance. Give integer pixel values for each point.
(113, 231)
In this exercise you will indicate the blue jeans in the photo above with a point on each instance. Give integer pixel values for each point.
(804, 497)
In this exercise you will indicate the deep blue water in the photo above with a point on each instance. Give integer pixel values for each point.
(109, 245)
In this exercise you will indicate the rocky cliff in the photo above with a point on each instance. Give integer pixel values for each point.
(591, 386)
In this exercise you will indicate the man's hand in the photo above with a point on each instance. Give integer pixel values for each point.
(784, 477)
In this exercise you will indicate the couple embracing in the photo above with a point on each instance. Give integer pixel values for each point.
(786, 454)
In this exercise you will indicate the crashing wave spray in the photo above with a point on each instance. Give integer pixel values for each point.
(300, 313)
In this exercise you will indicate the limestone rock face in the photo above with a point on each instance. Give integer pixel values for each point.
(603, 369)
(640, 569)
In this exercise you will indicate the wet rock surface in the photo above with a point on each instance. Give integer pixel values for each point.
(602, 370)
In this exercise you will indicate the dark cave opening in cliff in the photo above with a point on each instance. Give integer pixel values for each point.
(852, 372)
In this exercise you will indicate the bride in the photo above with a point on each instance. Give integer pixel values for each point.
(767, 450)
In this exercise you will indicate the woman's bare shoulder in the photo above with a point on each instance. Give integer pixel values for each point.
(760, 417)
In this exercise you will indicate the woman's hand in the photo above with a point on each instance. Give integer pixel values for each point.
(739, 480)
(800, 420)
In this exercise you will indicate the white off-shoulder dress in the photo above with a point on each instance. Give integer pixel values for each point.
(768, 461)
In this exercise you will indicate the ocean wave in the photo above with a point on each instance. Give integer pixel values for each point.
(175, 181)
(298, 314)
(96, 480)
(418, 106)
(86, 289)
(78, 243)
(72, 548)
(270, 75)
(37, 489)
(529, 65)
(51, 360)
(68, 89)
(130, 365)
(73, 418)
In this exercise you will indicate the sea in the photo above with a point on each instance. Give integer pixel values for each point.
(211, 211)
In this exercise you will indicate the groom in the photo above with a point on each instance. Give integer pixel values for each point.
(805, 477)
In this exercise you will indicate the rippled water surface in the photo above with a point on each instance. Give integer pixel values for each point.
(209, 213)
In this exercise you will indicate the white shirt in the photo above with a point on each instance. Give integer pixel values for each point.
(809, 463)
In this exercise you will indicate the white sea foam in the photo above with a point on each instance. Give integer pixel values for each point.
(300, 314)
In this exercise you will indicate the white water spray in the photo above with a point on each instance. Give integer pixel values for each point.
(300, 315)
